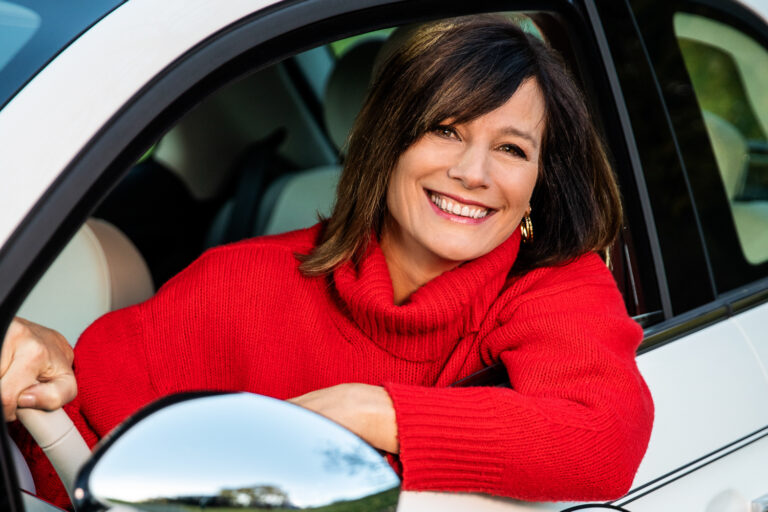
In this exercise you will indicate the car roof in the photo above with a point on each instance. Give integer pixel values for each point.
(760, 7)
(36, 30)
(68, 93)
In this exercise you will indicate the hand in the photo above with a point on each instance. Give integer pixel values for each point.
(364, 409)
(35, 368)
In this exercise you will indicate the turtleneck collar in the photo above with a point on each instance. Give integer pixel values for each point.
(436, 315)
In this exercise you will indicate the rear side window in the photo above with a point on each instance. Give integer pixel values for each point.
(17, 25)
(729, 74)
(711, 65)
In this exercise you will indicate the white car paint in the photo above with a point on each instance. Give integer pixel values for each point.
(704, 388)
(758, 6)
(70, 90)
(708, 492)
(753, 324)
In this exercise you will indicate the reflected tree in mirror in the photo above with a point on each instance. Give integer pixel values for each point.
(234, 453)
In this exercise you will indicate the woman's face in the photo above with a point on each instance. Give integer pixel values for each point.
(461, 190)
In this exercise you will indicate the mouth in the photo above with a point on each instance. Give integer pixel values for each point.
(458, 210)
(454, 207)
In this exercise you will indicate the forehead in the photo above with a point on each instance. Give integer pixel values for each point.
(523, 112)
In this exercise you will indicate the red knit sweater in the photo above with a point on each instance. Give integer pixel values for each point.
(574, 426)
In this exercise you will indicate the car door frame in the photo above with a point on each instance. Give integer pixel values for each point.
(712, 309)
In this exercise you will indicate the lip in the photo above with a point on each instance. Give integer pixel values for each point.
(457, 218)
(462, 200)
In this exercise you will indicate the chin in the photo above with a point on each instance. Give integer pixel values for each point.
(459, 252)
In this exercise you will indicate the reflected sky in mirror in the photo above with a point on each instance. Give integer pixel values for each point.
(222, 443)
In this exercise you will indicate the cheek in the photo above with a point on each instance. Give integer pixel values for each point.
(517, 187)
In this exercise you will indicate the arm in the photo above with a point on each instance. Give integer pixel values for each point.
(574, 427)
(364, 409)
(577, 420)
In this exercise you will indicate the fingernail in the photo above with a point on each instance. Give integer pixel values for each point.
(27, 401)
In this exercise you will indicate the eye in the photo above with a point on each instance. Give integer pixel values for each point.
(513, 149)
(445, 131)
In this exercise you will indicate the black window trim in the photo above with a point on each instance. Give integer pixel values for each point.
(633, 154)
(678, 252)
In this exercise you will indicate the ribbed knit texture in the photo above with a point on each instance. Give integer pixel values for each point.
(574, 426)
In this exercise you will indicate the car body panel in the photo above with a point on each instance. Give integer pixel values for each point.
(722, 484)
(752, 323)
(704, 387)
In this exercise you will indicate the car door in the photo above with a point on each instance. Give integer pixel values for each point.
(706, 362)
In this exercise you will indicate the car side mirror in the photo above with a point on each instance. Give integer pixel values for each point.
(233, 451)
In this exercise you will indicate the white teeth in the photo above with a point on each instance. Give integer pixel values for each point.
(457, 209)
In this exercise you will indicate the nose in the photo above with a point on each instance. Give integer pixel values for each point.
(471, 168)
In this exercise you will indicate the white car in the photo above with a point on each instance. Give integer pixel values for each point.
(134, 134)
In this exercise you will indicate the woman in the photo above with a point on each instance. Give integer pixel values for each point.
(427, 271)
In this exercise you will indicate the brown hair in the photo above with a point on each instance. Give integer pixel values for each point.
(461, 69)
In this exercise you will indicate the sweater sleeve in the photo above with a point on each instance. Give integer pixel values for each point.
(118, 356)
(577, 419)
(133, 356)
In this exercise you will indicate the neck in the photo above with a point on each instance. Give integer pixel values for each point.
(410, 264)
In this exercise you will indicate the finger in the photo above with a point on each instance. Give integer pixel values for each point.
(16, 379)
(16, 331)
(49, 395)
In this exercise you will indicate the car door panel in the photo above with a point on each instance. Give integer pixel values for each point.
(753, 325)
(727, 484)
(705, 387)
(454, 502)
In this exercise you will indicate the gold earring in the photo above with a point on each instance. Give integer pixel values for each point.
(526, 229)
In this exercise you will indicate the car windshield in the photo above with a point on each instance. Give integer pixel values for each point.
(33, 31)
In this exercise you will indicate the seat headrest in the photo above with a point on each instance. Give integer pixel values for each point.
(100, 270)
(731, 152)
(347, 87)
(296, 200)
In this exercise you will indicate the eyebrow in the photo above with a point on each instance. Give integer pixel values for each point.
(511, 130)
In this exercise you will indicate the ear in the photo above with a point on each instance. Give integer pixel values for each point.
(528, 210)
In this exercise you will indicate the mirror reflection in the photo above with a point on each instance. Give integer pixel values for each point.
(238, 452)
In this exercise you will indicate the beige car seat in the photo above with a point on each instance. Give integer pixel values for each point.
(750, 217)
(295, 200)
(100, 270)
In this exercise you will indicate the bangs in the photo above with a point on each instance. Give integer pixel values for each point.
(458, 83)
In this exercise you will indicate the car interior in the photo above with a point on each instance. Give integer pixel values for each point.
(260, 156)
(735, 119)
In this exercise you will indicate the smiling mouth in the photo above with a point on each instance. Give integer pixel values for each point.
(454, 207)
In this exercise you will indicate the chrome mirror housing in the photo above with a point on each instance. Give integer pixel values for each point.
(234, 452)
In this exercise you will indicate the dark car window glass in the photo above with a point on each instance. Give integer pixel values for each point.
(33, 31)
(711, 63)
(729, 74)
